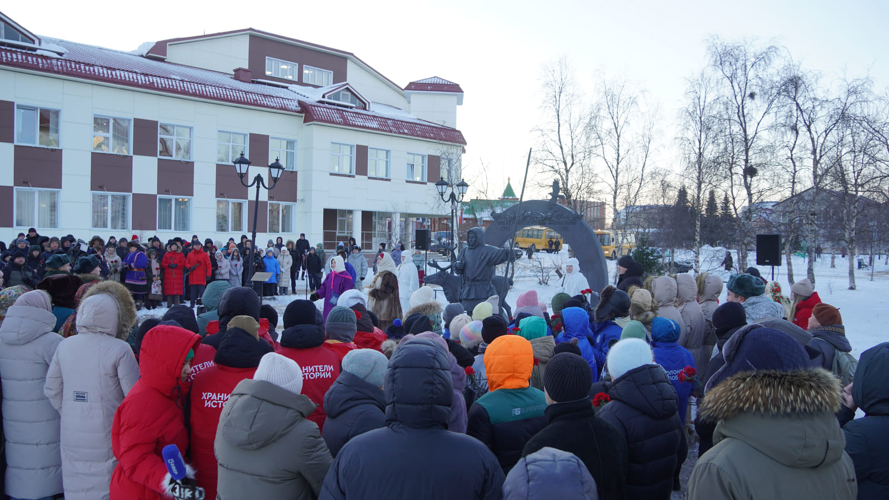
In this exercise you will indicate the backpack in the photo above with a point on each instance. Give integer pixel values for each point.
(843, 365)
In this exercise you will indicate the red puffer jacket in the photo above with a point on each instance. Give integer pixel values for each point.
(320, 365)
(173, 276)
(235, 360)
(198, 258)
(151, 415)
(804, 311)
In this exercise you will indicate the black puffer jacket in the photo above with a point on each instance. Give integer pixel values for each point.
(239, 301)
(240, 349)
(353, 407)
(867, 439)
(826, 339)
(407, 458)
(644, 408)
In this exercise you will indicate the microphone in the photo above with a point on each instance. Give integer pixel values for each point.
(174, 462)
(181, 487)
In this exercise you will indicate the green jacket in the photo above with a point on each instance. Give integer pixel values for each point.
(777, 437)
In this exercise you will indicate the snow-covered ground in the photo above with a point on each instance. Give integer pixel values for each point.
(864, 310)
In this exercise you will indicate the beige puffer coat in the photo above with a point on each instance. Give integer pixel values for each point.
(695, 331)
(663, 289)
(90, 375)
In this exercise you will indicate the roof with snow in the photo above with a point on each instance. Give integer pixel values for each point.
(97, 64)
(433, 84)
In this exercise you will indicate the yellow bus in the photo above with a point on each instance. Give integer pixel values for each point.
(537, 238)
(610, 239)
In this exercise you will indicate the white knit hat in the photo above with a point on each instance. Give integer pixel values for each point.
(423, 295)
(626, 355)
(351, 297)
(281, 371)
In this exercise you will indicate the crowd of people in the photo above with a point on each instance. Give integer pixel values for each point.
(359, 393)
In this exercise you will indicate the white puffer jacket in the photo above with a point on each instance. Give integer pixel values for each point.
(573, 282)
(408, 281)
(30, 423)
(90, 375)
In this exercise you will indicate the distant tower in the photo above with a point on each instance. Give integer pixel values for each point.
(509, 193)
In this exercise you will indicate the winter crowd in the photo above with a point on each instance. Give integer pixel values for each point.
(375, 390)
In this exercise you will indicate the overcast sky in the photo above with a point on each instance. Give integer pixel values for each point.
(495, 49)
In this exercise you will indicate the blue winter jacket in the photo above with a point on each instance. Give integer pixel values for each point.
(351, 270)
(576, 322)
(672, 357)
(603, 334)
(271, 266)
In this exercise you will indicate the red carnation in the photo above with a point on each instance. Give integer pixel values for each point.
(469, 371)
(600, 399)
(691, 372)
(536, 362)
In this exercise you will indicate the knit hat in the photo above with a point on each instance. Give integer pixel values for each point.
(567, 378)
(782, 325)
(755, 347)
(57, 261)
(423, 295)
(342, 324)
(493, 327)
(665, 330)
(634, 330)
(302, 312)
(451, 311)
(19, 253)
(532, 327)
(746, 285)
(494, 300)
(576, 301)
(569, 347)
(351, 297)
(86, 264)
(281, 371)
(752, 271)
(457, 324)
(558, 302)
(827, 315)
(420, 324)
(527, 299)
(369, 365)
(482, 311)
(396, 330)
(472, 332)
(183, 315)
(613, 303)
(803, 288)
(626, 355)
(268, 312)
(727, 316)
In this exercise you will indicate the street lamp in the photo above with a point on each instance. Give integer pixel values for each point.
(454, 197)
(242, 165)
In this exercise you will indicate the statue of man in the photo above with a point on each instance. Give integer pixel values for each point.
(476, 264)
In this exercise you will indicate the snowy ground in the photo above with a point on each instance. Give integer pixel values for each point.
(864, 310)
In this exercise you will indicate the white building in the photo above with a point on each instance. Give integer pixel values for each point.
(99, 142)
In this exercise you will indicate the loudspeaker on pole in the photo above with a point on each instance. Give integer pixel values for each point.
(768, 249)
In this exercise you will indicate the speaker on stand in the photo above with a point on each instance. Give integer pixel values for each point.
(421, 242)
(768, 251)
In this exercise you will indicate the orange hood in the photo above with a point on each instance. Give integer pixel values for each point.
(509, 361)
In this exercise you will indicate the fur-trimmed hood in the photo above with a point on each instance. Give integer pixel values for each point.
(126, 313)
(427, 309)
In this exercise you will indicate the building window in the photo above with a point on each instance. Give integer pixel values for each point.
(174, 141)
(284, 150)
(173, 213)
(7, 32)
(37, 126)
(279, 68)
(317, 76)
(342, 158)
(280, 217)
(229, 146)
(378, 162)
(111, 211)
(345, 96)
(111, 135)
(416, 167)
(343, 223)
(230, 216)
(38, 208)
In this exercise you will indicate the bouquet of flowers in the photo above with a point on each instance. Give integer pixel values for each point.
(601, 399)
(690, 375)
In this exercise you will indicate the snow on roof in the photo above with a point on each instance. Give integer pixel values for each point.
(122, 68)
(434, 84)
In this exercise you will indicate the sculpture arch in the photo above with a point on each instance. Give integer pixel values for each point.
(574, 230)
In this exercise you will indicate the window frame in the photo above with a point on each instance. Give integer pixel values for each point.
(278, 155)
(36, 212)
(22, 37)
(424, 164)
(111, 134)
(295, 67)
(129, 222)
(320, 72)
(36, 108)
(173, 199)
(339, 155)
(230, 202)
(375, 163)
(231, 157)
(349, 222)
(174, 137)
(281, 205)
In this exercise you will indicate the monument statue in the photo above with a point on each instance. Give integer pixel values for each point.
(477, 264)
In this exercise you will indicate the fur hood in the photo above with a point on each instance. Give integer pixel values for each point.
(774, 393)
(126, 307)
(427, 309)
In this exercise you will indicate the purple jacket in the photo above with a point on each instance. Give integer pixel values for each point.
(335, 284)
(458, 418)
(137, 261)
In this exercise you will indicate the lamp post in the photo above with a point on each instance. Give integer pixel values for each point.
(454, 197)
(242, 164)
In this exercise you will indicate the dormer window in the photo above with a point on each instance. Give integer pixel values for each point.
(280, 68)
(7, 32)
(345, 96)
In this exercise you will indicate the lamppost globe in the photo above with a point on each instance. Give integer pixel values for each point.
(241, 165)
(462, 187)
(441, 186)
(276, 169)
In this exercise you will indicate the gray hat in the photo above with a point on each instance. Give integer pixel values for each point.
(341, 324)
(367, 364)
(451, 311)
